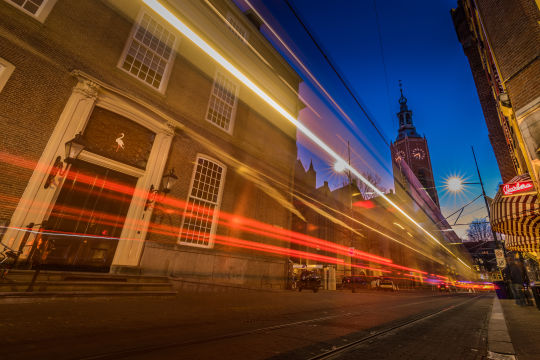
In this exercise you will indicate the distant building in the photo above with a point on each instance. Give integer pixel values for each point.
(344, 218)
(413, 149)
(326, 215)
(483, 254)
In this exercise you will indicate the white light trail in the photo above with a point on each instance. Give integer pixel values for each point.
(204, 46)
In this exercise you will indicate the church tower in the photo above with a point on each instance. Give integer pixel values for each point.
(413, 149)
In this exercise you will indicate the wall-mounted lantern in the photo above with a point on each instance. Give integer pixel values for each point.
(167, 182)
(74, 147)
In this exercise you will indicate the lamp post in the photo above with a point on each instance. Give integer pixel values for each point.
(339, 167)
(500, 245)
(167, 181)
(73, 149)
(456, 184)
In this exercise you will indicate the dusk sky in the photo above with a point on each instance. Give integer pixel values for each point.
(420, 48)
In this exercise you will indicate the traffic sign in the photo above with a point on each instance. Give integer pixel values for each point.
(496, 276)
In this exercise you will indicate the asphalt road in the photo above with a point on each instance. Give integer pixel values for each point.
(258, 325)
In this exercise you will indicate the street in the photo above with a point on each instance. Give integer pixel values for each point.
(257, 325)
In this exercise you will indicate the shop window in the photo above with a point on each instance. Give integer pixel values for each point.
(149, 52)
(222, 104)
(38, 9)
(199, 220)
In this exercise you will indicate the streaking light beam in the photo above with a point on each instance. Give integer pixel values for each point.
(204, 46)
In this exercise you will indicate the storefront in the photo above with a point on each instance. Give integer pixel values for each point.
(515, 212)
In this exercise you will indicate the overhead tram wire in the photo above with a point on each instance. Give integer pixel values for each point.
(463, 207)
(341, 78)
(383, 61)
(352, 126)
(167, 15)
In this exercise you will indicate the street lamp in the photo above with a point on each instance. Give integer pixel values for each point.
(167, 181)
(456, 184)
(73, 149)
(340, 166)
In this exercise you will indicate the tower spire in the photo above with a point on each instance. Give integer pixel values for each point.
(402, 99)
(406, 127)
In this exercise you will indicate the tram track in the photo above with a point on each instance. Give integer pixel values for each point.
(333, 353)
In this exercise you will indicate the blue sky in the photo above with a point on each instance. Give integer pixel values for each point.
(420, 48)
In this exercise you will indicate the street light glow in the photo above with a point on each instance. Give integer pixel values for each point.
(455, 184)
(340, 166)
(168, 16)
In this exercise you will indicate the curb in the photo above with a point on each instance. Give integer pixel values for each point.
(499, 343)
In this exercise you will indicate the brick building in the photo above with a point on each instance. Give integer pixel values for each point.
(326, 215)
(149, 106)
(502, 42)
(501, 39)
(373, 228)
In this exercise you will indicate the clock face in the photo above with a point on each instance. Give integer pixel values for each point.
(400, 155)
(418, 154)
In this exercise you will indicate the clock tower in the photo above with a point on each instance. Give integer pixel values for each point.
(413, 149)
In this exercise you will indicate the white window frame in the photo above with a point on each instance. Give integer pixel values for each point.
(235, 105)
(6, 69)
(217, 205)
(234, 23)
(42, 12)
(170, 61)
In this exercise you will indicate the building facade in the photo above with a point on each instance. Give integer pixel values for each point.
(501, 39)
(502, 42)
(149, 107)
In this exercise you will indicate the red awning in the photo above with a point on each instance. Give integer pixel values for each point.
(518, 217)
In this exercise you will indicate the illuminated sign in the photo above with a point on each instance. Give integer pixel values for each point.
(517, 187)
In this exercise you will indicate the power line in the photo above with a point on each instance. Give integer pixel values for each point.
(341, 78)
(383, 62)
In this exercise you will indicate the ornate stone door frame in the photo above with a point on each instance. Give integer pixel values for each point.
(36, 201)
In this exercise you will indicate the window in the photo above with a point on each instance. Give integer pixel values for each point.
(198, 223)
(6, 69)
(241, 31)
(149, 52)
(38, 9)
(222, 104)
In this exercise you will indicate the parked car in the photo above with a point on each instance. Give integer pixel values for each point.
(387, 285)
(359, 281)
(309, 280)
(443, 287)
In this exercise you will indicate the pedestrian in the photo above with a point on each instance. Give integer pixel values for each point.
(517, 277)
